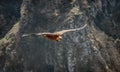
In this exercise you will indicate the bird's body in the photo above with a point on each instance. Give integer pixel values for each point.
(56, 36)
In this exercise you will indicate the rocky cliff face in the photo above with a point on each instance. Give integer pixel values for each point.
(93, 49)
(9, 15)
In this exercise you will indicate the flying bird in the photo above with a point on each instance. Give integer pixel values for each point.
(55, 36)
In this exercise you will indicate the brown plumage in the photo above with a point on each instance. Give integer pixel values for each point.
(56, 36)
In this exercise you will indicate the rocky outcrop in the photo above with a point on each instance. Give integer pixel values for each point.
(93, 49)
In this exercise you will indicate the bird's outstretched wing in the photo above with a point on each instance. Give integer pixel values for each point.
(69, 30)
(24, 35)
(55, 33)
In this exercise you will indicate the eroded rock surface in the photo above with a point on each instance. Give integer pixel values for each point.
(93, 49)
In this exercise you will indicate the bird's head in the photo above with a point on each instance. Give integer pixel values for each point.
(59, 38)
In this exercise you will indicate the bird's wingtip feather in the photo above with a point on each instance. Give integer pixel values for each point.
(24, 35)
